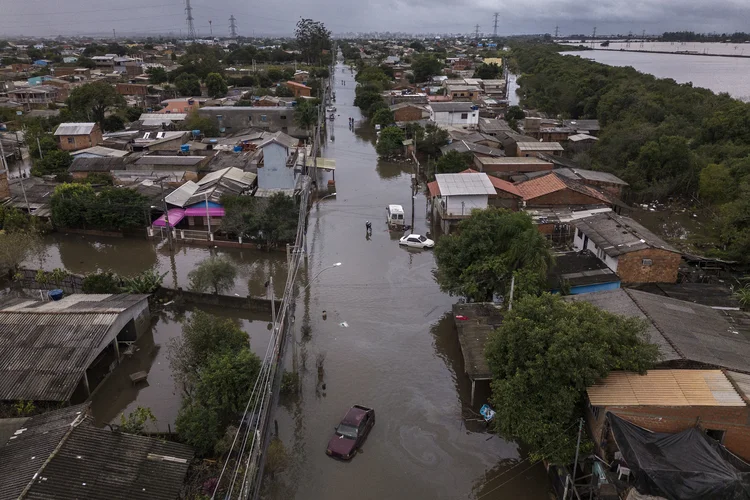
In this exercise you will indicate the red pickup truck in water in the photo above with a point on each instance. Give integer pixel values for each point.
(351, 432)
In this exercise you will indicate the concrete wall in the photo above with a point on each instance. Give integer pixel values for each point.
(248, 303)
(578, 244)
(272, 119)
(463, 205)
(274, 172)
(731, 419)
(455, 119)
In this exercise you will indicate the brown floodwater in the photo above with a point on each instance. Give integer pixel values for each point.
(388, 342)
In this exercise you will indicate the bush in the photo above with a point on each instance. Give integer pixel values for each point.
(54, 162)
(390, 141)
(102, 282)
(215, 273)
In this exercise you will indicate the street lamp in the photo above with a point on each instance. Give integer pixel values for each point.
(337, 264)
(317, 204)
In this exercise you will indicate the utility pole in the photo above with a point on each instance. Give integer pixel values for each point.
(208, 218)
(593, 37)
(39, 145)
(211, 28)
(114, 35)
(4, 165)
(643, 38)
(476, 32)
(189, 19)
(494, 25)
(232, 26)
(630, 35)
(166, 217)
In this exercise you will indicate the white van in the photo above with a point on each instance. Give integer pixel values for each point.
(395, 216)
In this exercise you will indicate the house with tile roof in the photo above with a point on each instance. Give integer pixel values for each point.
(555, 190)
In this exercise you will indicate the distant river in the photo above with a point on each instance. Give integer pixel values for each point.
(719, 74)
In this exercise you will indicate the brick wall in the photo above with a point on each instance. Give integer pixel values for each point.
(663, 269)
(131, 89)
(407, 114)
(563, 197)
(4, 188)
(733, 420)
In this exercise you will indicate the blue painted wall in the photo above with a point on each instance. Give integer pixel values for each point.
(599, 287)
(202, 204)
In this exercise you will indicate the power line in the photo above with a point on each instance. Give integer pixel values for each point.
(190, 27)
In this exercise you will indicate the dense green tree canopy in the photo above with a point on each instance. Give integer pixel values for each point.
(312, 38)
(426, 66)
(188, 85)
(390, 141)
(216, 85)
(92, 100)
(111, 209)
(54, 162)
(382, 117)
(543, 357)
(215, 274)
(454, 162)
(478, 260)
(487, 71)
(306, 114)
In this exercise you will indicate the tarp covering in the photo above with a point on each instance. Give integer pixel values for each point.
(683, 466)
(175, 216)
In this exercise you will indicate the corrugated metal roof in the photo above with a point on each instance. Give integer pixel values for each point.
(500, 184)
(169, 160)
(75, 128)
(46, 346)
(24, 454)
(182, 194)
(539, 146)
(100, 151)
(90, 462)
(452, 107)
(617, 235)
(163, 117)
(98, 164)
(665, 388)
(464, 184)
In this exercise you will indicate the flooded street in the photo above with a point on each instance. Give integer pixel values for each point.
(387, 342)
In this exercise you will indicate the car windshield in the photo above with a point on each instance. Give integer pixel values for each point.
(422, 239)
(347, 431)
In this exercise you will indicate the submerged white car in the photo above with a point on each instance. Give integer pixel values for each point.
(416, 241)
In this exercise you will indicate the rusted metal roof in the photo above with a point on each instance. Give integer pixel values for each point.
(62, 455)
(665, 388)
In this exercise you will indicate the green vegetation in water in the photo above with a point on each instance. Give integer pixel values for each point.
(665, 139)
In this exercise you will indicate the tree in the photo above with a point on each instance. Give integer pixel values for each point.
(112, 209)
(279, 220)
(383, 116)
(478, 260)
(284, 91)
(390, 141)
(157, 76)
(487, 71)
(93, 100)
(426, 66)
(454, 162)
(365, 100)
(433, 139)
(545, 354)
(16, 247)
(216, 85)
(113, 123)
(312, 38)
(214, 273)
(188, 85)
(716, 184)
(512, 115)
(306, 114)
(209, 127)
(135, 422)
(102, 282)
(54, 162)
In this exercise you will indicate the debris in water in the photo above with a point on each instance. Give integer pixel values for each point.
(344, 324)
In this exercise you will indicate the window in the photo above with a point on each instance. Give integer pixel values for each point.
(647, 262)
(250, 118)
(464, 116)
(579, 233)
(71, 140)
(263, 118)
(283, 117)
(716, 434)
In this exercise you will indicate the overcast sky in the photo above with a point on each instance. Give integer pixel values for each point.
(54, 17)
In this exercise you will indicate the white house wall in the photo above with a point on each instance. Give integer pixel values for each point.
(611, 262)
(463, 205)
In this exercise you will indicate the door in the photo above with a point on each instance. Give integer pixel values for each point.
(585, 241)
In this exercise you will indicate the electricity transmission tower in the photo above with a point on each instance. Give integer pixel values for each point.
(557, 31)
(232, 27)
(191, 28)
(211, 28)
(494, 25)
(476, 32)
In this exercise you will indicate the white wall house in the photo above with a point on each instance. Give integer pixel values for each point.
(458, 194)
(456, 114)
(277, 168)
(582, 242)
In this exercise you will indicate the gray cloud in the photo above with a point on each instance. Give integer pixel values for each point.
(52, 18)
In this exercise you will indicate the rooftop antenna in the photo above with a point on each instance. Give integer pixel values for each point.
(232, 27)
(191, 28)
(495, 24)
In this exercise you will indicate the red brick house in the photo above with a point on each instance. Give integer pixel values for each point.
(506, 195)
(298, 89)
(75, 136)
(672, 401)
(636, 254)
(553, 190)
(409, 112)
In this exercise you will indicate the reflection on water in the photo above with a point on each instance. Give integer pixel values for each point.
(130, 256)
(151, 354)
